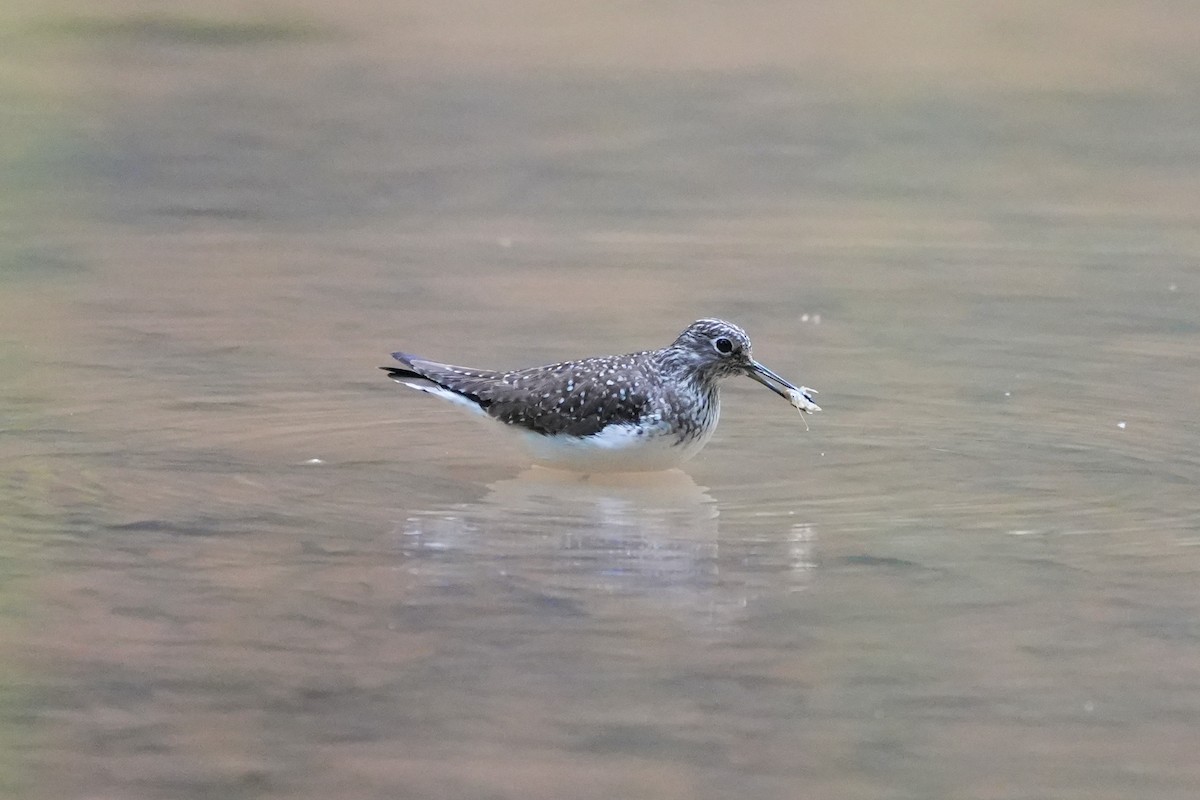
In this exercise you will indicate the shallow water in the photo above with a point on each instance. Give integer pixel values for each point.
(238, 562)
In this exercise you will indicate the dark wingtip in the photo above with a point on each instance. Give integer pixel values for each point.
(404, 358)
(399, 373)
(406, 371)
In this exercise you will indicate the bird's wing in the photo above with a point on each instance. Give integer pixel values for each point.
(559, 399)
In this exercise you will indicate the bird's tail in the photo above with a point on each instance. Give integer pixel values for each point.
(470, 388)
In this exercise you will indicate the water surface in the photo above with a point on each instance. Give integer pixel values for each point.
(238, 562)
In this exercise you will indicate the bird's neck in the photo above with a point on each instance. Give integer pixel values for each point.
(682, 367)
(682, 363)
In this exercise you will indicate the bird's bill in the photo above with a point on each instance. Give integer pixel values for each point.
(798, 396)
(764, 376)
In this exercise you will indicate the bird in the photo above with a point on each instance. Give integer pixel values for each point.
(645, 411)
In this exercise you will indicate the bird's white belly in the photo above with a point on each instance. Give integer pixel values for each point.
(617, 448)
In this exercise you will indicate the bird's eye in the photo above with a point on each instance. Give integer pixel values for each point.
(723, 345)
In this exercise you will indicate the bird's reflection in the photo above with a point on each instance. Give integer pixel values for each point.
(639, 538)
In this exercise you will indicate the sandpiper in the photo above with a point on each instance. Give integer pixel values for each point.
(639, 412)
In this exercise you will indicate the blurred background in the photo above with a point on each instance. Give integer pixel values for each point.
(235, 561)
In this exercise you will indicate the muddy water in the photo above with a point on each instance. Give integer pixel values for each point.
(237, 562)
